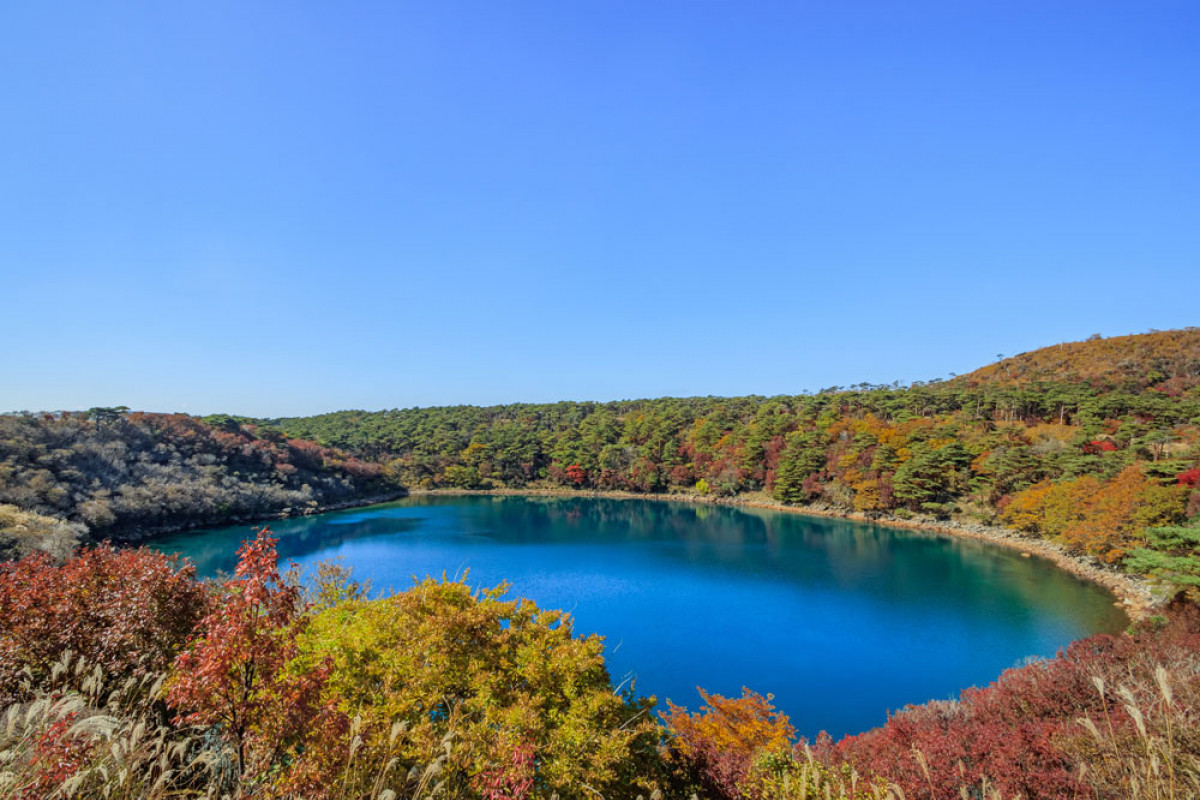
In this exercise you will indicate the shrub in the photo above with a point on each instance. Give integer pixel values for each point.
(718, 744)
(1022, 734)
(485, 682)
(125, 611)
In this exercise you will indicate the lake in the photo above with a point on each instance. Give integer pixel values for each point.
(841, 621)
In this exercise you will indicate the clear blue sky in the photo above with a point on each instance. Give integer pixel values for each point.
(287, 208)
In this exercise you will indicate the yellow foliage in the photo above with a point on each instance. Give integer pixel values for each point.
(866, 495)
(1103, 519)
(1051, 432)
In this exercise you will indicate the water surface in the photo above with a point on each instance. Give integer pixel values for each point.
(841, 621)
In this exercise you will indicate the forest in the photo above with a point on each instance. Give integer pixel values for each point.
(1093, 444)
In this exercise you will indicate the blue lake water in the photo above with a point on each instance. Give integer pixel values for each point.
(841, 621)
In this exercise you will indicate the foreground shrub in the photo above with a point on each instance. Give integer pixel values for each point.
(511, 699)
(718, 744)
(1023, 735)
(232, 676)
(125, 611)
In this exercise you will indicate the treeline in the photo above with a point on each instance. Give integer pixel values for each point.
(125, 475)
(1096, 467)
(121, 677)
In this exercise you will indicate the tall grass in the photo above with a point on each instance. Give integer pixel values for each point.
(1157, 755)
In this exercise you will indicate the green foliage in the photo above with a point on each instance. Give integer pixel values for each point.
(498, 675)
(1172, 554)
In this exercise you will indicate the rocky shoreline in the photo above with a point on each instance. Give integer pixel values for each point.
(1137, 597)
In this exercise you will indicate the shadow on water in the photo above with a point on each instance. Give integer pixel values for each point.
(214, 551)
(842, 621)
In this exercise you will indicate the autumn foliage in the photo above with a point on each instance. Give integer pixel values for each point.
(1023, 735)
(718, 744)
(130, 680)
(1104, 518)
(232, 675)
(125, 611)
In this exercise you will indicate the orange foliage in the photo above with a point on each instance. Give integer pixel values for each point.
(747, 724)
(719, 743)
(1166, 357)
(1102, 519)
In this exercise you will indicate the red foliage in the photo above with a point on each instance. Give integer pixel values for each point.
(511, 781)
(1189, 477)
(233, 674)
(1011, 731)
(814, 484)
(577, 474)
(56, 757)
(1097, 446)
(126, 611)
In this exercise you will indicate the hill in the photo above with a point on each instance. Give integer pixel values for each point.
(1088, 443)
(108, 473)
(1166, 360)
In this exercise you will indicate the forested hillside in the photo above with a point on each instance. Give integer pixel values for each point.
(107, 473)
(1168, 361)
(1094, 443)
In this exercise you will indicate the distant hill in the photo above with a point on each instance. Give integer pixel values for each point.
(126, 475)
(1167, 360)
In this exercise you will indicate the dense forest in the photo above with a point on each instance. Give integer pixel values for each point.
(109, 473)
(1095, 444)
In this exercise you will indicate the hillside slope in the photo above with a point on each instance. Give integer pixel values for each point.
(128, 475)
(1167, 360)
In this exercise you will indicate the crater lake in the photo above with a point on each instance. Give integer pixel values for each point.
(841, 621)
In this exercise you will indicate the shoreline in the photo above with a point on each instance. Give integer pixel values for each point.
(1134, 595)
(137, 536)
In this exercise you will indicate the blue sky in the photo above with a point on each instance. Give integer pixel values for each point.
(287, 208)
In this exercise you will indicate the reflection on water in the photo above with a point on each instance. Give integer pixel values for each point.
(842, 621)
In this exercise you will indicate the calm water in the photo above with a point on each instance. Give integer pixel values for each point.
(840, 621)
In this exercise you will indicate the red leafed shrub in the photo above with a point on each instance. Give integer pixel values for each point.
(56, 757)
(1017, 731)
(1098, 446)
(126, 611)
(577, 474)
(232, 675)
(1190, 477)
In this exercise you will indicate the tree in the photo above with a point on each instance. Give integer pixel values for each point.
(1172, 554)
(502, 678)
(232, 676)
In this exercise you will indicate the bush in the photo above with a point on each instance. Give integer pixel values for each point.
(504, 690)
(1022, 735)
(125, 611)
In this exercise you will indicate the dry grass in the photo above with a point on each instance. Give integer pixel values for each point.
(1155, 758)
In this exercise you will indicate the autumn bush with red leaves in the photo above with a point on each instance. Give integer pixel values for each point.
(125, 611)
(1023, 733)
